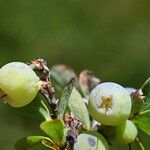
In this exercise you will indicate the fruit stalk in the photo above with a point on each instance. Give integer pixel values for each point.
(140, 143)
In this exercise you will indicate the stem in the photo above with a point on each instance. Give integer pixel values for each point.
(140, 143)
(46, 87)
(130, 148)
(48, 92)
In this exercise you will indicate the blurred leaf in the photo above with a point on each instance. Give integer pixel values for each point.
(65, 98)
(119, 147)
(88, 81)
(54, 129)
(90, 142)
(79, 109)
(143, 121)
(36, 109)
(62, 74)
(30, 141)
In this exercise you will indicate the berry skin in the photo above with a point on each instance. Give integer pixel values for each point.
(19, 83)
(109, 104)
(126, 132)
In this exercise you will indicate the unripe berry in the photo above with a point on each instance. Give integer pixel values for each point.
(126, 132)
(19, 83)
(90, 142)
(109, 104)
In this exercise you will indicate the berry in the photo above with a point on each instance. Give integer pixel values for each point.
(109, 104)
(130, 90)
(90, 142)
(126, 132)
(19, 83)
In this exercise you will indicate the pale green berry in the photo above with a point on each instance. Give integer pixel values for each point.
(126, 132)
(109, 104)
(90, 142)
(19, 83)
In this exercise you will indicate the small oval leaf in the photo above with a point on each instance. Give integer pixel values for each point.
(29, 142)
(79, 109)
(54, 129)
(65, 98)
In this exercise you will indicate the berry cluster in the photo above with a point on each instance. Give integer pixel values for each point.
(109, 105)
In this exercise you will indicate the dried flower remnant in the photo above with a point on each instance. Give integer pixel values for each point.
(88, 81)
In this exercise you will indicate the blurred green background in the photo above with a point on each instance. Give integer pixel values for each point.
(111, 38)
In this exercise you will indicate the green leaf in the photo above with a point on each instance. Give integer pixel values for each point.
(146, 105)
(91, 142)
(61, 76)
(146, 88)
(36, 109)
(54, 129)
(146, 92)
(65, 98)
(144, 139)
(29, 142)
(143, 121)
(79, 109)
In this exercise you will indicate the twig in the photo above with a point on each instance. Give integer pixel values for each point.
(46, 88)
